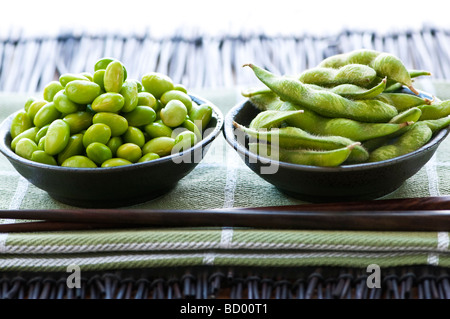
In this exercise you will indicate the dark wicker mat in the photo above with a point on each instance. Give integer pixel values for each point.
(214, 283)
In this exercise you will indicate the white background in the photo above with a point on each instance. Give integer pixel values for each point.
(164, 17)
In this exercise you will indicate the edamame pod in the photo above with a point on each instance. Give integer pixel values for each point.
(323, 102)
(401, 101)
(435, 110)
(270, 119)
(413, 139)
(294, 138)
(357, 74)
(385, 64)
(355, 92)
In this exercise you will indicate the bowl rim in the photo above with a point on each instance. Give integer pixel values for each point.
(230, 137)
(8, 153)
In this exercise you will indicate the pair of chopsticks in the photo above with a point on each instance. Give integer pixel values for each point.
(406, 214)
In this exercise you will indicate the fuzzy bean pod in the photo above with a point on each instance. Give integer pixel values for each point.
(357, 74)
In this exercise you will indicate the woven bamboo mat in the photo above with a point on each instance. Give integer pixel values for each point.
(214, 283)
(28, 63)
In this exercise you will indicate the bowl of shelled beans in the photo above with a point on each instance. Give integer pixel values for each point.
(100, 139)
(352, 128)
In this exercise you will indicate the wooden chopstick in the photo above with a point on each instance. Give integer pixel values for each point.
(369, 220)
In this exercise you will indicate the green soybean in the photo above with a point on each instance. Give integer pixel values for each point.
(20, 123)
(79, 161)
(134, 135)
(117, 123)
(51, 89)
(103, 63)
(158, 129)
(29, 133)
(74, 147)
(323, 102)
(190, 126)
(35, 107)
(25, 148)
(159, 145)
(41, 133)
(82, 92)
(177, 95)
(173, 113)
(78, 121)
(113, 162)
(28, 102)
(57, 137)
(184, 141)
(63, 104)
(66, 78)
(98, 132)
(98, 152)
(145, 98)
(130, 152)
(99, 78)
(108, 102)
(46, 115)
(40, 156)
(142, 115)
(114, 143)
(148, 157)
(129, 91)
(157, 83)
(201, 115)
(114, 77)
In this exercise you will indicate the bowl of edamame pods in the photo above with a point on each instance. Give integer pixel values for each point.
(354, 127)
(99, 139)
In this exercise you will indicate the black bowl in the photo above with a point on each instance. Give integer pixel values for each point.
(328, 184)
(113, 186)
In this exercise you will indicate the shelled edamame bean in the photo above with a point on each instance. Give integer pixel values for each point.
(104, 119)
(356, 98)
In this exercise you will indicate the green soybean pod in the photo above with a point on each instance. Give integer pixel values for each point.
(46, 115)
(40, 156)
(435, 110)
(271, 118)
(325, 103)
(25, 148)
(63, 104)
(401, 101)
(98, 132)
(74, 147)
(66, 78)
(177, 95)
(158, 129)
(117, 123)
(108, 102)
(99, 78)
(410, 115)
(157, 83)
(437, 124)
(417, 136)
(145, 98)
(142, 115)
(159, 145)
(113, 162)
(148, 157)
(82, 92)
(129, 91)
(130, 152)
(114, 143)
(57, 137)
(30, 133)
(114, 77)
(78, 121)
(134, 135)
(79, 161)
(98, 152)
(51, 89)
(35, 107)
(20, 123)
(103, 63)
(41, 133)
